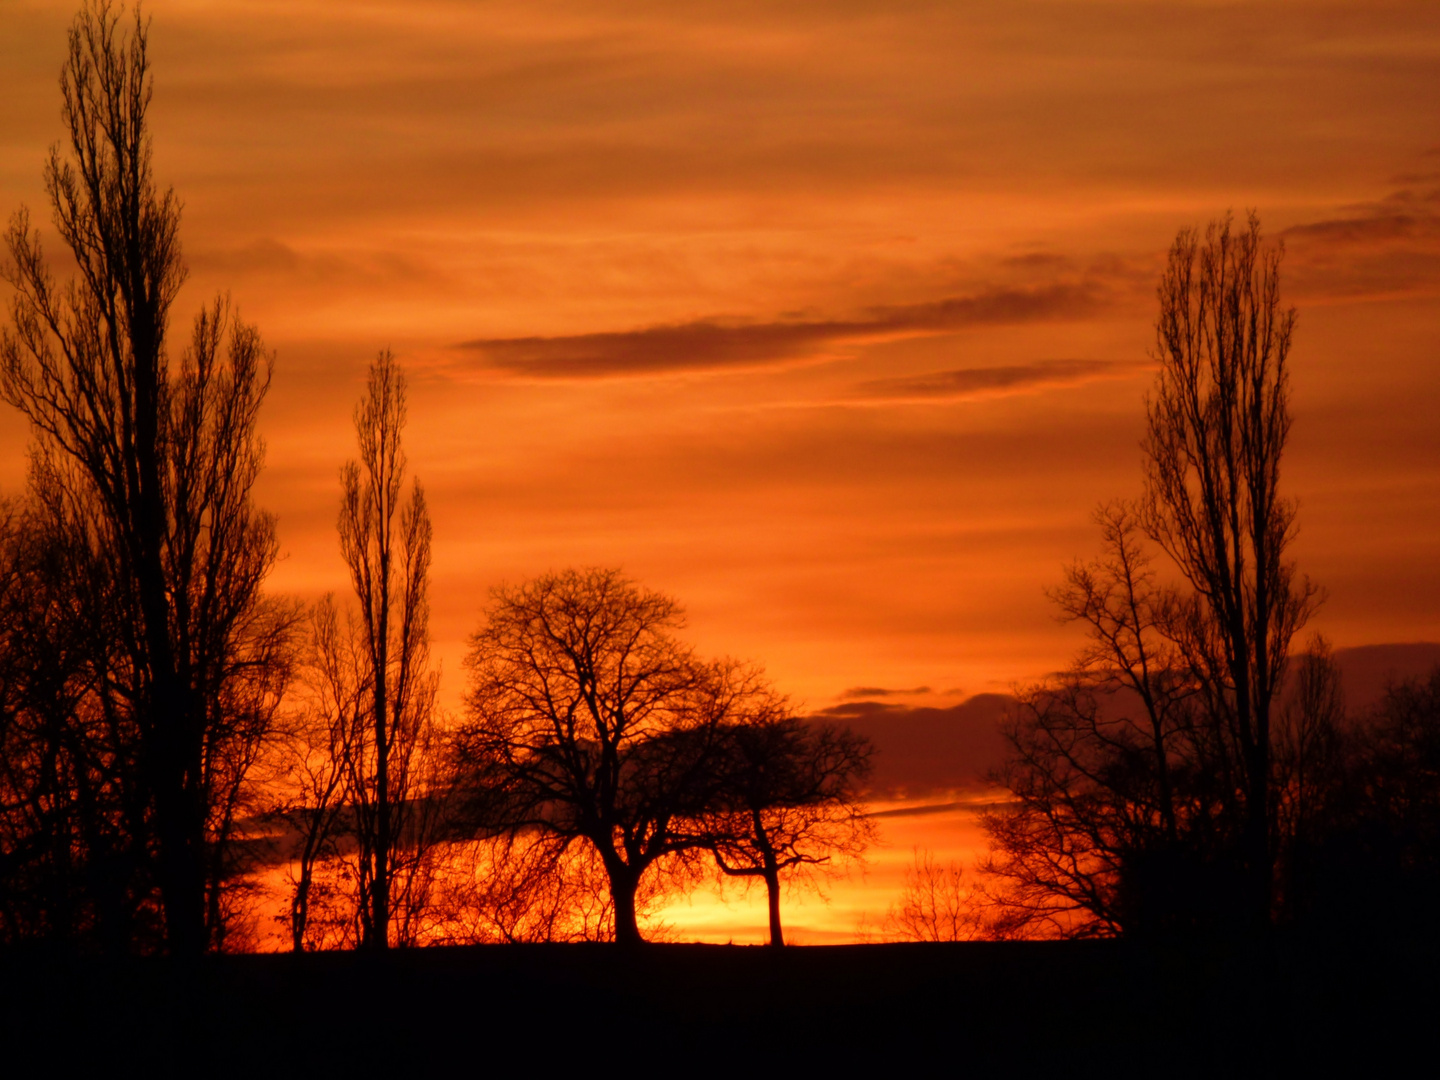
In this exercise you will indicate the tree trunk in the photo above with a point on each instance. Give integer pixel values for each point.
(165, 741)
(623, 883)
(772, 894)
(380, 921)
(380, 886)
(1260, 868)
(300, 912)
(771, 873)
(180, 827)
(182, 875)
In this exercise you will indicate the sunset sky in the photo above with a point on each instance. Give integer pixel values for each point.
(831, 319)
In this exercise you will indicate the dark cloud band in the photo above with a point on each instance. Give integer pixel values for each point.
(969, 382)
(710, 345)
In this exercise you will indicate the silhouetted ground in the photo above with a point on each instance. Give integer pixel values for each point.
(1091, 1007)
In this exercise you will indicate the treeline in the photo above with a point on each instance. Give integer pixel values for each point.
(171, 734)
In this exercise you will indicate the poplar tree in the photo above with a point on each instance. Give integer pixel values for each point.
(159, 460)
(385, 538)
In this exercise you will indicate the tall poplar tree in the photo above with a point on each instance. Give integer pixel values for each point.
(160, 461)
(385, 537)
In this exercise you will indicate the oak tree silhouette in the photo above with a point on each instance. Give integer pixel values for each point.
(588, 720)
(790, 799)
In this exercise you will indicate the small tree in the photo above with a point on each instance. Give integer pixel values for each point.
(1359, 805)
(1118, 789)
(1393, 844)
(587, 720)
(73, 869)
(333, 710)
(523, 887)
(935, 904)
(790, 801)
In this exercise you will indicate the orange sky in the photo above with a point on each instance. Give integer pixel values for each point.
(832, 321)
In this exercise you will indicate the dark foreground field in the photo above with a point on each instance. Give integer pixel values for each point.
(1095, 1007)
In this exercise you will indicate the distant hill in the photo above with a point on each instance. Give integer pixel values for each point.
(928, 750)
(1366, 669)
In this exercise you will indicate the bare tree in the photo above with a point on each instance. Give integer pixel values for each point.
(166, 459)
(935, 904)
(790, 801)
(1144, 777)
(587, 720)
(1219, 419)
(1389, 840)
(523, 887)
(1118, 785)
(1316, 768)
(73, 868)
(385, 537)
(1358, 798)
(335, 695)
(239, 764)
(1308, 734)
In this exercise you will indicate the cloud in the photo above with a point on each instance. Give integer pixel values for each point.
(346, 268)
(973, 382)
(1379, 228)
(1378, 249)
(981, 803)
(713, 345)
(880, 691)
(1408, 213)
(265, 255)
(1367, 671)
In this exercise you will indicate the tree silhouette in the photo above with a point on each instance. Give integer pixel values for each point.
(1144, 777)
(1357, 804)
(587, 720)
(1110, 764)
(385, 538)
(935, 904)
(159, 463)
(524, 887)
(1219, 419)
(789, 799)
(1404, 766)
(333, 711)
(73, 861)
(1314, 764)
(1375, 860)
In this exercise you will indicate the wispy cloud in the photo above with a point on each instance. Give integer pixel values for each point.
(713, 345)
(1409, 213)
(867, 692)
(934, 809)
(1375, 250)
(962, 383)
